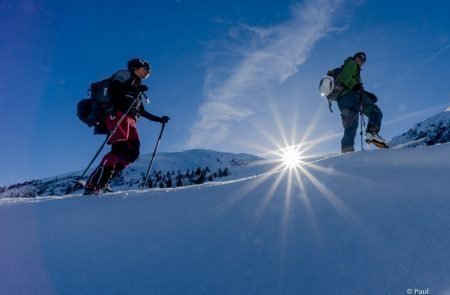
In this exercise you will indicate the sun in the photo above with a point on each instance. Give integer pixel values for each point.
(291, 157)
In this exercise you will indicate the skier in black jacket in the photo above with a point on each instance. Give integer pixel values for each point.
(124, 88)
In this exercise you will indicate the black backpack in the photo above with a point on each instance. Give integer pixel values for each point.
(93, 111)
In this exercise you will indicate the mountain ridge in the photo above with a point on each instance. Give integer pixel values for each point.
(169, 170)
(431, 131)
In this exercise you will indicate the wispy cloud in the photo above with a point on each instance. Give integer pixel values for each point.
(242, 70)
(417, 67)
(435, 55)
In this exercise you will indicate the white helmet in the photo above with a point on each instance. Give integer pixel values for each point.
(326, 86)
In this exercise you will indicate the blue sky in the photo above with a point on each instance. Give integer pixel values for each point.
(238, 76)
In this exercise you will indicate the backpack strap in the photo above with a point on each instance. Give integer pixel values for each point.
(121, 76)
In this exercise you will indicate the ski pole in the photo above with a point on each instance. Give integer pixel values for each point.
(109, 136)
(363, 126)
(361, 129)
(153, 156)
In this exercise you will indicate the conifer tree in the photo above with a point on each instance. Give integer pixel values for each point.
(179, 182)
(200, 179)
(169, 182)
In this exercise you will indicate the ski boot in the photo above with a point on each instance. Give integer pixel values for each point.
(91, 189)
(373, 137)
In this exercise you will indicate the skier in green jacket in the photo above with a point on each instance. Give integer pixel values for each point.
(355, 99)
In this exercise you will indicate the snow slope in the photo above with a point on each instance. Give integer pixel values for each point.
(428, 132)
(374, 222)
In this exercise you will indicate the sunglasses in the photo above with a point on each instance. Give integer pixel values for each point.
(362, 57)
(145, 65)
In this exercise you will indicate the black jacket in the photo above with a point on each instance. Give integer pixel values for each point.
(123, 92)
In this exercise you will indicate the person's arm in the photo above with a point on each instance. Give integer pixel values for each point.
(142, 112)
(149, 116)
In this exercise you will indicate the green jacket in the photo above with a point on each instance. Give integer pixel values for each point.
(350, 75)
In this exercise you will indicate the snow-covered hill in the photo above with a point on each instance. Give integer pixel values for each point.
(169, 169)
(431, 131)
(374, 222)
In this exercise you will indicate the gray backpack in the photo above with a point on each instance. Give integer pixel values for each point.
(93, 111)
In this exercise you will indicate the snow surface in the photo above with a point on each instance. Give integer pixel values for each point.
(374, 222)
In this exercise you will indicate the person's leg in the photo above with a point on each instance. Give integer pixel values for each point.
(372, 111)
(133, 150)
(133, 143)
(350, 124)
(349, 106)
(101, 176)
(116, 160)
(125, 153)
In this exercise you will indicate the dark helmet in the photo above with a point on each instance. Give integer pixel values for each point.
(136, 63)
(361, 55)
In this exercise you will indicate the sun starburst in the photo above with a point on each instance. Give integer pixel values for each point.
(291, 157)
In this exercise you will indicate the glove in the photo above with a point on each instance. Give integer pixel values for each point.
(372, 97)
(358, 88)
(141, 88)
(163, 119)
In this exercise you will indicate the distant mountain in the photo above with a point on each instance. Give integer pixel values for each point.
(169, 170)
(194, 158)
(432, 131)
